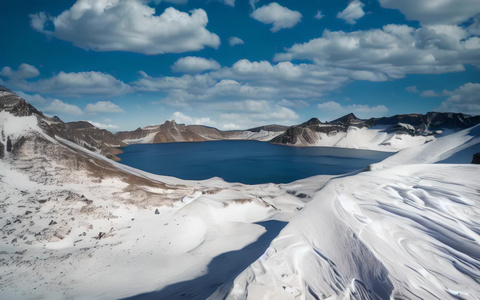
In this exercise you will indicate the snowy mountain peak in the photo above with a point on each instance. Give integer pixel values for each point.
(312, 121)
(349, 119)
(16, 105)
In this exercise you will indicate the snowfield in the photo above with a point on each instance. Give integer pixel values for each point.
(76, 225)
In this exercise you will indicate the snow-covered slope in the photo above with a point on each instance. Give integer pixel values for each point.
(409, 232)
(75, 224)
(383, 134)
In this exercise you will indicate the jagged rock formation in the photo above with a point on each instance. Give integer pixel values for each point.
(386, 131)
(170, 132)
(81, 132)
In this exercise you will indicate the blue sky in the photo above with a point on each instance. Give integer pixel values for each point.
(236, 64)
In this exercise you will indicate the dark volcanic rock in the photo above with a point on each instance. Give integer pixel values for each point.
(476, 159)
(2, 150)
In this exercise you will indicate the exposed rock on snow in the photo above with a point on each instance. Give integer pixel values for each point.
(476, 158)
(387, 134)
(170, 132)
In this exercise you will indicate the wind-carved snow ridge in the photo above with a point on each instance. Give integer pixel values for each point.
(406, 232)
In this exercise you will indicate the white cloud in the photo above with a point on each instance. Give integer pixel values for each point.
(129, 25)
(246, 80)
(352, 12)
(193, 64)
(273, 115)
(465, 99)
(390, 52)
(281, 17)
(231, 126)
(293, 103)
(334, 109)
(35, 98)
(59, 107)
(431, 93)
(435, 11)
(180, 118)
(229, 2)
(103, 107)
(24, 71)
(412, 89)
(474, 28)
(77, 84)
(101, 125)
(233, 41)
(319, 15)
(246, 105)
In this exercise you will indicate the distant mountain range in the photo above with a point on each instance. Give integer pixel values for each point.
(387, 133)
(170, 132)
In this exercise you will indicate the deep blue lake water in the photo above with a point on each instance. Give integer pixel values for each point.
(249, 162)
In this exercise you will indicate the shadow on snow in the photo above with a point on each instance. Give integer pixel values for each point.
(222, 270)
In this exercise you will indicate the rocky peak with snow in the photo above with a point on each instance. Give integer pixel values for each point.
(15, 104)
(81, 132)
(384, 132)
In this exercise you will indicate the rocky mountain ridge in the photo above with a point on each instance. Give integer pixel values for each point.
(81, 132)
(170, 131)
(414, 125)
(386, 133)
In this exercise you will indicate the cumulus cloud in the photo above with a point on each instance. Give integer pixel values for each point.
(179, 117)
(431, 93)
(435, 11)
(59, 107)
(293, 103)
(231, 126)
(77, 84)
(334, 109)
(390, 52)
(245, 105)
(102, 125)
(229, 2)
(274, 115)
(412, 89)
(319, 15)
(352, 12)
(474, 28)
(24, 71)
(280, 17)
(233, 41)
(128, 25)
(35, 98)
(103, 107)
(245, 80)
(465, 99)
(193, 64)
